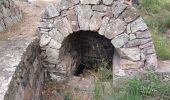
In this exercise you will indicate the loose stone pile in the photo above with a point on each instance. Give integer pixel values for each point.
(10, 14)
(116, 21)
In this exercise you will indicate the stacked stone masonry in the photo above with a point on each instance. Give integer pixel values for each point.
(27, 80)
(114, 20)
(10, 14)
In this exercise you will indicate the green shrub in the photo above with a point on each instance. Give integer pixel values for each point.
(150, 5)
(161, 23)
(165, 4)
(162, 46)
(137, 88)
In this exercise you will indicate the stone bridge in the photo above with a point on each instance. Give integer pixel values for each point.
(120, 24)
(73, 33)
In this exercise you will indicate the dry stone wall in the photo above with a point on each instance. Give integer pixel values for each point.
(28, 76)
(10, 14)
(118, 22)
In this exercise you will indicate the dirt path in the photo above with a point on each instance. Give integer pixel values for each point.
(31, 16)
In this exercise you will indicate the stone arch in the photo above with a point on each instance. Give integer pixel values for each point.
(116, 21)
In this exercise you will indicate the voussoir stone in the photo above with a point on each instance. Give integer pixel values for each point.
(120, 41)
(104, 25)
(72, 18)
(132, 54)
(84, 13)
(114, 28)
(67, 25)
(130, 14)
(90, 1)
(127, 64)
(118, 8)
(107, 2)
(96, 21)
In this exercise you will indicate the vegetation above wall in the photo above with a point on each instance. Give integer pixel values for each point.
(157, 16)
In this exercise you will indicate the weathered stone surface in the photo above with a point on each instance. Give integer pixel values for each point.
(17, 79)
(151, 61)
(10, 14)
(66, 4)
(132, 36)
(46, 25)
(104, 25)
(51, 11)
(149, 44)
(100, 8)
(145, 34)
(128, 29)
(8, 22)
(96, 21)
(137, 42)
(67, 25)
(72, 18)
(53, 44)
(56, 35)
(114, 28)
(120, 41)
(84, 13)
(127, 64)
(138, 25)
(118, 8)
(130, 14)
(2, 26)
(132, 54)
(52, 55)
(61, 27)
(90, 1)
(45, 39)
(107, 2)
(148, 50)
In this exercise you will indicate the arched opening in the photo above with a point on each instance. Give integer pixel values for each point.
(83, 50)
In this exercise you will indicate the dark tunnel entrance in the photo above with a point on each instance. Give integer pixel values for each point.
(85, 49)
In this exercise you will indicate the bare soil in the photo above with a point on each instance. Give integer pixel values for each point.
(28, 25)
